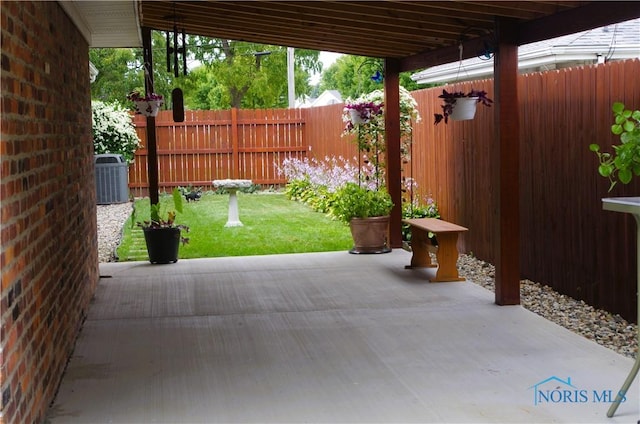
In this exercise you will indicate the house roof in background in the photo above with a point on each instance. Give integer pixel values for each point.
(612, 42)
(327, 97)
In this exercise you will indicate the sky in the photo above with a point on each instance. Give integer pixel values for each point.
(327, 59)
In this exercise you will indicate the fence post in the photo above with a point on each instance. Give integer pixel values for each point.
(235, 156)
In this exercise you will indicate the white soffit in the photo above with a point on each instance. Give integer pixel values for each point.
(106, 23)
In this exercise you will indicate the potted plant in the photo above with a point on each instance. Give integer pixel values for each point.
(460, 106)
(364, 119)
(624, 163)
(162, 235)
(148, 105)
(367, 213)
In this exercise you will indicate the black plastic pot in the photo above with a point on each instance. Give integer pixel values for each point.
(162, 244)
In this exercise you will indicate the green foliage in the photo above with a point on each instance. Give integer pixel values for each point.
(355, 201)
(318, 197)
(416, 210)
(624, 163)
(121, 72)
(370, 134)
(118, 73)
(297, 189)
(229, 75)
(272, 225)
(351, 76)
(159, 220)
(246, 75)
(113, 130)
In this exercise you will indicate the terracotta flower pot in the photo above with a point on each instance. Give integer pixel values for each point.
(370, 235)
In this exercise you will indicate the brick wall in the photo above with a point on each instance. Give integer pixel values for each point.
(48, 228)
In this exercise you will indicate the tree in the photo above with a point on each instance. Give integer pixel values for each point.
(121, 71)
(352, 76)
(231, 74)
(253, 75)
(118, 74)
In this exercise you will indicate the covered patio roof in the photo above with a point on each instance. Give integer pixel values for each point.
(419, 33)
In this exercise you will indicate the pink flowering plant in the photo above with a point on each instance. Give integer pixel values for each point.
(364, 119)
(315, 182)
(148, 104)
(335, 185)
(360, 113)
(135, 96)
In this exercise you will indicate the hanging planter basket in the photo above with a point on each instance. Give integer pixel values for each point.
(148, 107)
(356, 117)
(464, 109)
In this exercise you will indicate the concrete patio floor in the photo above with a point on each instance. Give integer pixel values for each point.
(325, 337)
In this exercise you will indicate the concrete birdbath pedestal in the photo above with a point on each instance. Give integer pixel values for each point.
(232, 187)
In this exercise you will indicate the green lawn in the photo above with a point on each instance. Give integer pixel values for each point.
(272, 225)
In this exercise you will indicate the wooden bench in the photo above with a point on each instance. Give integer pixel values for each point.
(447, 252)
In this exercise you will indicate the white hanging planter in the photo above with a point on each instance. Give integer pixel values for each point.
(356, 117)
(148, 107)
(464, 109)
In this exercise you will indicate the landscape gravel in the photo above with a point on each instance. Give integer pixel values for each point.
(609, 330)
(111, 220)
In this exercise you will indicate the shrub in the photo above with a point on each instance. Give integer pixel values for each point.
(355, 201)
(113, 130)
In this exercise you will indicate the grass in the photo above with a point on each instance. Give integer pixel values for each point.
(273, 224)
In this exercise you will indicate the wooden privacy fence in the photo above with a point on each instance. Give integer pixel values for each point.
(567, 240)
(212, 145)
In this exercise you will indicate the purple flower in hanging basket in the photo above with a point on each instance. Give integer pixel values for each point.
(362, 112)
(135, 96)
(147, 105)
(450, 99)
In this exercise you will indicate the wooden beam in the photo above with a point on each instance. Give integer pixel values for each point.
(470, 48)
(507, 275)
(392, 135)
(152, 147)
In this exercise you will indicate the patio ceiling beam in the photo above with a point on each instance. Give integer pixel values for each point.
(470, 48)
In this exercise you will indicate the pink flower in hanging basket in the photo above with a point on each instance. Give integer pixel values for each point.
(135, 96)
(147, 105)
